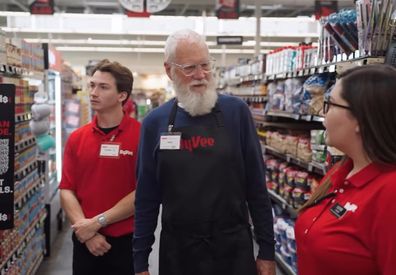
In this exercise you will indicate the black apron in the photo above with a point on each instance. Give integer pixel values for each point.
(205, 228)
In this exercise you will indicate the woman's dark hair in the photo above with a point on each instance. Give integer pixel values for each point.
(122, 75)
(371, 95)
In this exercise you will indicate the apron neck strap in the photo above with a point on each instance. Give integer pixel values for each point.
(215, 111)
(172, 116)
(218, 116)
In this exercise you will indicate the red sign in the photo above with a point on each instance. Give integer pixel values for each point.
(325, 8)
(42, 7)
(137, 14)
(55, 59)
(227, 9)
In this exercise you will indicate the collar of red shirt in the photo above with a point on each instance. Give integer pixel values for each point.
(361, 178)
(120, 128)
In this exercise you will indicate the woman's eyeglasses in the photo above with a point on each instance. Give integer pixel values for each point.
(327, 103)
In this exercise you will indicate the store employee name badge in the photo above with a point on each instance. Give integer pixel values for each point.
(110, 150)
(339, 211)
(170, 141)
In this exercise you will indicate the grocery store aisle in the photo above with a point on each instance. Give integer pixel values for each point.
(60, 262)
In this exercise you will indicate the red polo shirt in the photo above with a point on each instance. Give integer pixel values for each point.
(100, 182)
(359, 238)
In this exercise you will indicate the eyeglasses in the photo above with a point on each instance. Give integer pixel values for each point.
(327, 103)
(189, 69)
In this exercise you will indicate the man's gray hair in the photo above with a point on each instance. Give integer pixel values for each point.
(176, 37)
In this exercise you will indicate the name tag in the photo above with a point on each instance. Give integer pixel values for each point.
(110, 150)
(170, 141)
(337, 210)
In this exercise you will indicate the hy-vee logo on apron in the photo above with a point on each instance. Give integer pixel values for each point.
(196, 142)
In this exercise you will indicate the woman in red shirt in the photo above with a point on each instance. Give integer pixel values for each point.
(348, 225)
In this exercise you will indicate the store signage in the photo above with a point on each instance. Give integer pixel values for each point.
(227, 9)
(133, 5)
(137, 14)
(229, 40)
(154, 6)
(143, 8)
(42, 7)
(7, 155)
(325, 8)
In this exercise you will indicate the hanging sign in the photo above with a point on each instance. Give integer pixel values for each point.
(7, 155)
(133, 5)
(227, 9)
(154, 6)
(229, 40)
(143, 8)
(324, 8)
(42, 7)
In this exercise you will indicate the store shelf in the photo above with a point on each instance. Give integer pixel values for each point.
(257, 112)
(36, 264)
(25, 144)
(315, 167)
(33, 75)
(252, 97)
(21, 72)
(329, 67)
(308, 118)
(24, 197)
(25, 239)
(283, 265)
(283, 114)
(249, 78)
(22, 117)
(11, 70)
(244, 79)
(282, 203)
(25, 170)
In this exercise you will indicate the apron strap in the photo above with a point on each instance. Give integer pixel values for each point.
(172, 116)
(218, 116)
(215, 111)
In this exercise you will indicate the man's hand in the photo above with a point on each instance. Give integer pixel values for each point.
(265, 267)
(85, 229)
(143, 273)
(98, 245)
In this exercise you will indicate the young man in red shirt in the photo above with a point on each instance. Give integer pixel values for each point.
(98, 178)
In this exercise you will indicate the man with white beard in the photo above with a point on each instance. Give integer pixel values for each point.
(200, 157)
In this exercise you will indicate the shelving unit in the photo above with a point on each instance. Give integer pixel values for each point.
(15, 253)
(12, 70)
(283, 265)
(281, 201)
(312, 166)
(23, 117)
(22, 245)
(245, 87)
(300, 117)
(330, 67)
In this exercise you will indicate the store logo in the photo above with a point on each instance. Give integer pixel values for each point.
(126, 153)
(197, 142)
(350, 207)
(4, 99)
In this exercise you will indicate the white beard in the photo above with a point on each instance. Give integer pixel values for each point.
(196, 104)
